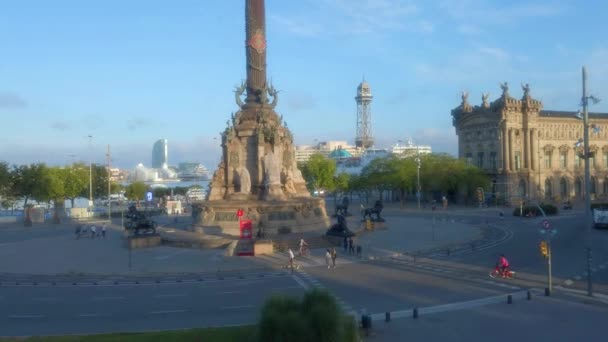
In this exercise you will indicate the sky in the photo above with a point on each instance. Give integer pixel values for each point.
(131, 72)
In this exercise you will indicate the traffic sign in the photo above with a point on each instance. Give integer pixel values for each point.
(149, 196)
(546, 224)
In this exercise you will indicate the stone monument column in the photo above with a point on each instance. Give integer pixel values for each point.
(255, 46)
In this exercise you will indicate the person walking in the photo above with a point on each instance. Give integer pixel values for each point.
(345, 244)
(328, 257)
(351, 247)
(334, 255)
(93, 231)
(78, 229)
(103, 230)
(291, 257)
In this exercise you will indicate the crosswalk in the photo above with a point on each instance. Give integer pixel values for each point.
(316, 258)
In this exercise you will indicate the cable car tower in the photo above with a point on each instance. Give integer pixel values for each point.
(364, 98)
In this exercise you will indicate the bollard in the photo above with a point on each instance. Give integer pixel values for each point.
(529, 295)
(415, 314)
(509, 299)
(547, 292)
(387, 317)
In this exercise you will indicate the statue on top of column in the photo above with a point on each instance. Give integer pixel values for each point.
(505, 89)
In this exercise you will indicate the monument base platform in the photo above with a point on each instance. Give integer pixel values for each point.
(143, 241)
(293, 215)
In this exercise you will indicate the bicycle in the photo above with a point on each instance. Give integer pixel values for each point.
(497, 272)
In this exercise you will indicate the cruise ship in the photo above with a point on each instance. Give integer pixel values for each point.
(196, 173)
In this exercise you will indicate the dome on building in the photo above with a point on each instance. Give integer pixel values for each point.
(340, 154)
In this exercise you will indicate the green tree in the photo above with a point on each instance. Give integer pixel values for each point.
(76, 181)
(54, 182)
(5, 179)
(319, 172)
(136, 191)
(378, 174)
(29, 182)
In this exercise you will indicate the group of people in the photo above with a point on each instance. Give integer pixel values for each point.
(92, 230)
(330, 253)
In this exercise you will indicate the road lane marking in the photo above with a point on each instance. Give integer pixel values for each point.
(25, 316)
(107, 298)
(300, 282)
(170, 295)
(160, 312)
(46, 299)
(236, 307)
(165, 257)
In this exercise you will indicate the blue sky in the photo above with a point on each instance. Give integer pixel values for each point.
(131, 72)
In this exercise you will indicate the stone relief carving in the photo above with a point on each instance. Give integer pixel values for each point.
(245, 180)
(272, 174)
(208, 214)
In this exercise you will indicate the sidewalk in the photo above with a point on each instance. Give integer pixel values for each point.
(57, 252)
(557, 318)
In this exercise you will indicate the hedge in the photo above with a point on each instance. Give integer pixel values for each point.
(549, 209)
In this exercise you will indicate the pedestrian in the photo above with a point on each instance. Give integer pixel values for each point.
(78, 229)
(345, 244)
(93, 231)
(334, 255)
(327, 257)
(291, 257)
(358, 251)
(351, 248)
(103, 230)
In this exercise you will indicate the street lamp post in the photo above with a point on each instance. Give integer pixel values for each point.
(90, 173)
(586, 155)
(418, 194)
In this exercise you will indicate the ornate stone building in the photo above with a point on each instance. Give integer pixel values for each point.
(531, 153)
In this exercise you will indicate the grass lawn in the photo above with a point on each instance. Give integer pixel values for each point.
(229, 334)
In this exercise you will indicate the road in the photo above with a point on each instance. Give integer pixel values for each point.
(384, 284)
(50, 310)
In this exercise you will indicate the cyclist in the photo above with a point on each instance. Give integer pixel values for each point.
(303, 246)
(503, 265)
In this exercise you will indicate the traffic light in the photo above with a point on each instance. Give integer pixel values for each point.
(544, 249)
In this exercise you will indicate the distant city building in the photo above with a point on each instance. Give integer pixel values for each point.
(160, 154)
(410, 149)
(364, 138)
(117, 175)
(341, 151)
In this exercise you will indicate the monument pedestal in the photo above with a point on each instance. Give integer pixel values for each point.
(294, 215)
(143, 241)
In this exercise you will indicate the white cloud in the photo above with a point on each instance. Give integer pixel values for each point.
(495, 52)
(11, 100)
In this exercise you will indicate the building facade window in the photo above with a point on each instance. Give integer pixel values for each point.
(548, 189)
(577, 160)
(563, 189)
(563, 160)
(547, 160)
(606, 159)
(469, 158)
(592, 159)
(493, 160)
(480, 160)
(517, 160)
